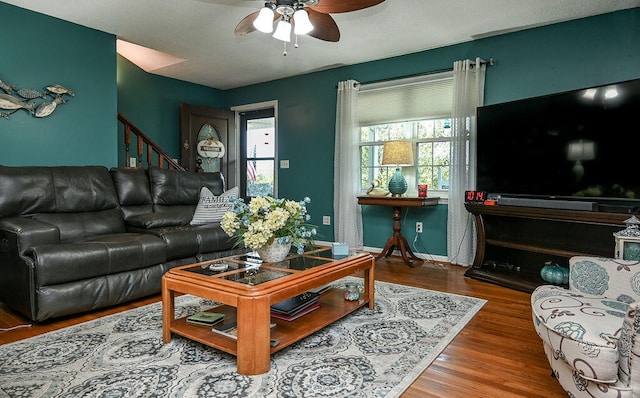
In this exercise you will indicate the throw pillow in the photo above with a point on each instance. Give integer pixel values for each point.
(211, 208)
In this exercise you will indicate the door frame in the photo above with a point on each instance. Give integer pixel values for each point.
(256, 107)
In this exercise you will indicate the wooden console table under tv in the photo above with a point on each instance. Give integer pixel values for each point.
(514, 242)
(246, 293)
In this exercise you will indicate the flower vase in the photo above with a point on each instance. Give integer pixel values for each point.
(274, 252)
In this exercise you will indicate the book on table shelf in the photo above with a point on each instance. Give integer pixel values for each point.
(231, 329)
(304, 311)
(205, 318)
(295, 304)
(321, 289)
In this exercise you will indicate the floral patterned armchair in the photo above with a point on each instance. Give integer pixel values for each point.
(590, 331)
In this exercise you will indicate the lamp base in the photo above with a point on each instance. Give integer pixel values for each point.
(397, 184)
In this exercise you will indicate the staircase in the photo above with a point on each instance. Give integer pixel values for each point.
(148, 153)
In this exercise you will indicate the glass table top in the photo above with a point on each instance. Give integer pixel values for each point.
(248, 269)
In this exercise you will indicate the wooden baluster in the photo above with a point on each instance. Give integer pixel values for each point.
(140, 150)
(127, 142)
(149, 155)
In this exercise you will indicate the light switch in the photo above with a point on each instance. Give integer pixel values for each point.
(284, 164)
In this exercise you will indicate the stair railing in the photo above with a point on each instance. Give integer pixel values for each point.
(145, 146)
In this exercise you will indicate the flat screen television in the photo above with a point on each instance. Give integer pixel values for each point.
(577, 145)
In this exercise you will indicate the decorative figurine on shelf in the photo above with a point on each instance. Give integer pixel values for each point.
(375, 191)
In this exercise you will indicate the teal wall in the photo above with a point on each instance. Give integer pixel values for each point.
(38, 51)
(533, 62)
(152, 103)
(539, 61)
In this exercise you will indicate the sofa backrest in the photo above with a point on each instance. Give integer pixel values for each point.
(177, 192)
(79, 200)
(134, 192)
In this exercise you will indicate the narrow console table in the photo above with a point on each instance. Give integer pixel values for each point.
(396, 240)
(513, 242)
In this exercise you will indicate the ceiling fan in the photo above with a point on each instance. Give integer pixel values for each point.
(310, 17)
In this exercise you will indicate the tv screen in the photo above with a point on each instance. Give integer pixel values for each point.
(578, 144)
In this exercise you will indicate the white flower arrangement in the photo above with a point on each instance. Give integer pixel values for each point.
(266, 219)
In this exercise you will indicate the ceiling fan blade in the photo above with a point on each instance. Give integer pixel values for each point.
(324, 26)
(246, 25)
(338, 6)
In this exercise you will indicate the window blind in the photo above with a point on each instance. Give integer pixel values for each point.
(414, 98)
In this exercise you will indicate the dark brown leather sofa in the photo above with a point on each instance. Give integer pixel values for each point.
(78, 238)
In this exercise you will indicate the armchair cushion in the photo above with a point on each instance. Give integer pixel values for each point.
(582, 330)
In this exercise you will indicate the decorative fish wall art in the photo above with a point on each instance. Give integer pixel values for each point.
(39, 103)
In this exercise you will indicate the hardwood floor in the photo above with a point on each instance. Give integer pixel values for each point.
(498, 354)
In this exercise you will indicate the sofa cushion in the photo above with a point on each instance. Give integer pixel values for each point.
(73, 226)
(582, 329)
(193, 240)
(141, 222)
(96, 256)
(211, 208)
(60, 189)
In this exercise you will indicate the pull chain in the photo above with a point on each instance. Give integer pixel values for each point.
(284, 53)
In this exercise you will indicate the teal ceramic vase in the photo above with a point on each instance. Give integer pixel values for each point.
(397, 184)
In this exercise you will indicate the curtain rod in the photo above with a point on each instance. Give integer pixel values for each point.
(490, 62)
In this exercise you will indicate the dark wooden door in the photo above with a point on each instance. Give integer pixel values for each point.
(199, 123)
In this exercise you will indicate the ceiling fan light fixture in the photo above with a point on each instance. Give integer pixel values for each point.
(264, 21)
(302, 24)
(283, 31)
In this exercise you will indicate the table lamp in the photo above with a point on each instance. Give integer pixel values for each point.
(397, 153)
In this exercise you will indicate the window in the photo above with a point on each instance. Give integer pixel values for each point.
(258, 153)
(414, 109)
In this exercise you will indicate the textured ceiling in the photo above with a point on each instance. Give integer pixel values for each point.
(202, 31)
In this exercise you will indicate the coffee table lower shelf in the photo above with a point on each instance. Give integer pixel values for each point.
(333, 307)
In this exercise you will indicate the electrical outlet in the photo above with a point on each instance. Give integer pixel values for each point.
(326, 220)
(133, 162)
(419, 227)
(284, 164)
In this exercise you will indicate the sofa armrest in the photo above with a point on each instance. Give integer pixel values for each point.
(19, 234)
(154, 220)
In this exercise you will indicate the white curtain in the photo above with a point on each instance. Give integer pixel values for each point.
(468, 94)
(347, 216)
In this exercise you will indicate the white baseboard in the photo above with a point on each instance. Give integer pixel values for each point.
(424, 256)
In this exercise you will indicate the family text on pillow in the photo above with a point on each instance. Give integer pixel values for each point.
(211, 208)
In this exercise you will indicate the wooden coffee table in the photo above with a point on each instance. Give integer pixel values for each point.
(247, 294)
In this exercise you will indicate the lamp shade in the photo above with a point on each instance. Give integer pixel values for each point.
(301, 23)
(283, 31)
(264, 21)
(397, 153)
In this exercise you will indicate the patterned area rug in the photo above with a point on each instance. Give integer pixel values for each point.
(367, 354)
